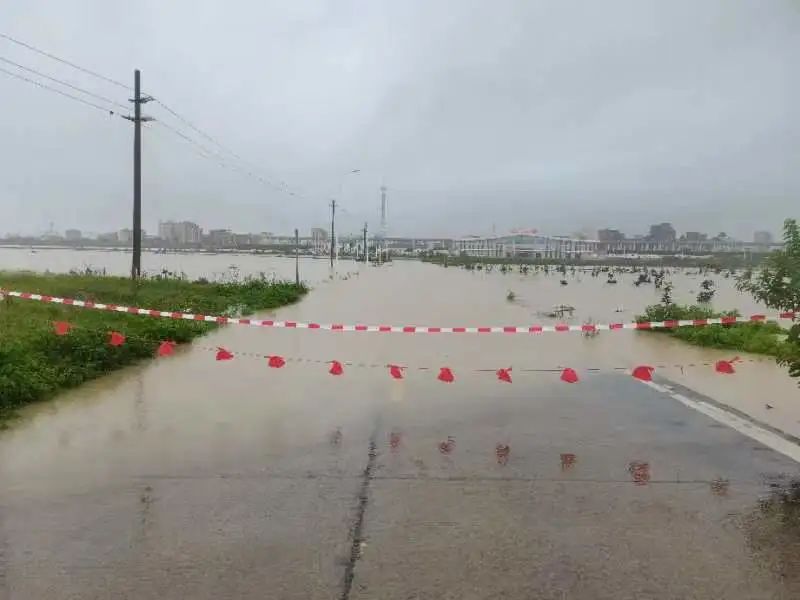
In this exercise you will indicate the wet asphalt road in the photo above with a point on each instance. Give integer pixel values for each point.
(608, 489)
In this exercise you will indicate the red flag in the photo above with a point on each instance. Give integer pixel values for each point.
(446, 375)
(643, 372)
(223, 354)
(276, 362)
(447, 446)
(395, 438)
(336, 368)
(502, 452)
(395, 371)
(115, 338)
(504, 374)
(61, 327)
(165, 348)
(724, 366)
(569, 375)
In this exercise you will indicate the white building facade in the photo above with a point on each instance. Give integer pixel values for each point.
(526, 245)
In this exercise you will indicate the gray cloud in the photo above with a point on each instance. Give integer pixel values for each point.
(553, 115)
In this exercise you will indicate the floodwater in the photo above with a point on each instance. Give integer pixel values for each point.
(186, 477)
(410, 293)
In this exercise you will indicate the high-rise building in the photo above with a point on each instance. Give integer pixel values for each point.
(319, 239)
(610, 235)
(662, 232)
(183, 232)
(763, 238)
(695, 236)
(221, 238)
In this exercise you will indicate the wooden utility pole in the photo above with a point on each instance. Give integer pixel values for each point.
(137, 118)
(366, 248)
(296, 257)
(333, 231)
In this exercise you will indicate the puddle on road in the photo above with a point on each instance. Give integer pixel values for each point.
(772, 528)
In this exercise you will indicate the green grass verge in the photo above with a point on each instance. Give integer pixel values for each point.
(35, 363)
(755, 337)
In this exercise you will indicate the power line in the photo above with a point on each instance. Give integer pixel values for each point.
(196, 129)
(280, 186)
(62, 93)
(215, 156)
(204, 152)
(64, 61)
(64, 83)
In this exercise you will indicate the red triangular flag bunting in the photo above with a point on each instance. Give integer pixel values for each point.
(61, 327)
(336, 368)
(504, 374)
(395, 371)
(643, 372)
(165, 348)
(223, 354)
(446, 375)
(569, 375)
(276, 362)
(724, 366)
(115, 338)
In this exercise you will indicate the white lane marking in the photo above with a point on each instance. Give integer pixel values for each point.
(748, 428)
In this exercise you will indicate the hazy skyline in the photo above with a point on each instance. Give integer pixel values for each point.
(547, 115)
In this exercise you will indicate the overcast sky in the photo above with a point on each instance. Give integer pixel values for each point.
(560, 116)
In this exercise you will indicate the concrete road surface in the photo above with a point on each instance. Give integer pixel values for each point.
(606, 489)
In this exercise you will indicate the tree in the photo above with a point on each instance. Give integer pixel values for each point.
(666, 295)
(707, 293)
(777, 285)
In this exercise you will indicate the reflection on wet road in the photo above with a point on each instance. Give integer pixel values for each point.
(190, 478)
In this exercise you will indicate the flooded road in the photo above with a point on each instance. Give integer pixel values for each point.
(186, 477)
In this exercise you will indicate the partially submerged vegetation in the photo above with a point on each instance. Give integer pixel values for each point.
(714, 262)
(35, 363)
(777, 285)
(755, 337)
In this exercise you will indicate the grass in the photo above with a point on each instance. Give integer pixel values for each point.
(35, 363)
(755, 337)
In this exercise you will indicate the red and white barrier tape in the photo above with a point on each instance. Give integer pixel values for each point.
(558, 327)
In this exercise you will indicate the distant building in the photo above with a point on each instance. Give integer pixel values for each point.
(73, 235)
(694, 236)
(244, 239)
(762, 238)
(182, 232)
(610, 235)
(319, 239)
(527, 245)
(265, 238)
(220, 238)
(125, 236)
(662, 233)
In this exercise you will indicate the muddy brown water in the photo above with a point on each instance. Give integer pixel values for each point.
(152, 463)
(419, 294)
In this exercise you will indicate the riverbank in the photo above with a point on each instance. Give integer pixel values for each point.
(35, 363)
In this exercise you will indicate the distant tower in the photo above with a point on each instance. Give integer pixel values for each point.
(383, 211)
